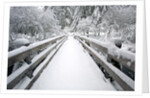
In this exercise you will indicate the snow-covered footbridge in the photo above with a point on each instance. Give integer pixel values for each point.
(71, 63)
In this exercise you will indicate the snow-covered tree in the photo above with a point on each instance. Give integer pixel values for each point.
(33, 21)
(120, 19)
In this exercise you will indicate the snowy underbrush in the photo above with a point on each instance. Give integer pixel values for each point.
(129, 47)
(18, 40)
(124, 45)
(116, 41)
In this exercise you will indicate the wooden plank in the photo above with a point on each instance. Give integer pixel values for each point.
(124, 81)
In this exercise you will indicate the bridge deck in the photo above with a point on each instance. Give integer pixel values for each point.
(72, 69)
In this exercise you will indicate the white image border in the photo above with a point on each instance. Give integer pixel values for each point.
(139, 47)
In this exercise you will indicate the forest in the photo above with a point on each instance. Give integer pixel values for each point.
(104, 23)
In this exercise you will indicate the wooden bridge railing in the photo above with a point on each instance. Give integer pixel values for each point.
(27, 69)
(20, 54)
(122, 79)
(114, 52)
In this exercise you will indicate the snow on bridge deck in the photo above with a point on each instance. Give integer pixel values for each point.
(72, 69)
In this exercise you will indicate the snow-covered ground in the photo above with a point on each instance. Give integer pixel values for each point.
(72, 69)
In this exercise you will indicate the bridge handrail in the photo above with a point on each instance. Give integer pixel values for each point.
(14, 78)
(23, 52)
(112, 51)
(123, 80)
